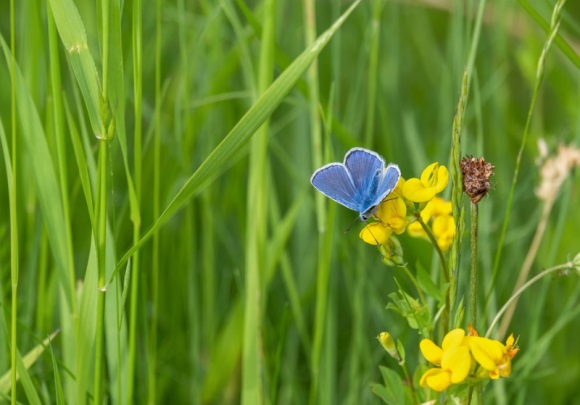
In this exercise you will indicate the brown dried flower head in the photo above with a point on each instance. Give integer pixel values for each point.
(476, 174)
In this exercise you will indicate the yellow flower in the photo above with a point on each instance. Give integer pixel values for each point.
(453, 358)
(493, 356)
(444, 230)
(438, 211)
(392, 217)
(433, 180)
(375, 233)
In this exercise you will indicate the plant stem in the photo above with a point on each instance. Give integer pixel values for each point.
(137, 162)
(410, 381)
(515, 296)
(446, 314)
(152, 383)
(431, 237)
(414, 281)
(101, 260)
(527, 265)
(13, 211)
(473, 276)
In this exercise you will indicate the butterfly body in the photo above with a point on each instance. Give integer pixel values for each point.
(360, 183)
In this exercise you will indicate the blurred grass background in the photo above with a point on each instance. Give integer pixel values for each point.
(249, 241)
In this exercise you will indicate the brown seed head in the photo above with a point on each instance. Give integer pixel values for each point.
(476, 174)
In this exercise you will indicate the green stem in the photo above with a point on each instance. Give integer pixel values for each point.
(152, 383)
(13, 210)
(539, 75)
(446, 314)
(519, 292)
(473, 276)
(410, 381)
(416, 284)
(431, 237)
(101, 259)
(137, 93)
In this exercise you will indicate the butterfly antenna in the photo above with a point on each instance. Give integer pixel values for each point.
(347, 230)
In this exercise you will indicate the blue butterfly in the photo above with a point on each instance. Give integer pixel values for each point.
(360, 183)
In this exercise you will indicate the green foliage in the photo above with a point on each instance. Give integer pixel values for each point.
(258, 292)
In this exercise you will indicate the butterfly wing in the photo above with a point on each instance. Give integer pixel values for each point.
(364, 165)
(366, 169)
(388, 182)
(335, 182)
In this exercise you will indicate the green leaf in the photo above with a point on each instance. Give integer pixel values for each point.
(427, 284)
(22, 365)
(73, 35)
(393, 391)
(42, 167)
(218, 159)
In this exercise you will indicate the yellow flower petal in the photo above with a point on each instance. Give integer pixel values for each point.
(440, 206)
(416, 230)
(458, 360)
(436, 379)
(453, 338)
(393, 213)
(488, 353)
(399, 187)
(442, 179)
(375, 233)
(414, 190)
(429, 175)
(431, 351)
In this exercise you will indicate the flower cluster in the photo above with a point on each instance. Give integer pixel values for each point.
(399, 212)
(462, 355)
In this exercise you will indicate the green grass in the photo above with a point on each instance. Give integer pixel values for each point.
(157, 158)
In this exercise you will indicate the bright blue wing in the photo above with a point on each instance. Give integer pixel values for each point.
(366, 169)
(364, 165)
(388, 182)
(335, 182)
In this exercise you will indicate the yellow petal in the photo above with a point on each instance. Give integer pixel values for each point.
(429, 175)
(488, 353)
(431, 351)
(398, 224)
(453, 338)
(436, 379)
(414, 190)
(442, 178)
(457, 360)
(399, 187)
(416, 230)
(392, 207)
(441, 206)
(375, 233)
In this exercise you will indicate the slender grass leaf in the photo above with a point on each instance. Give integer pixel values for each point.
(22, 365)
(41, 164)
(243, 130)
(73, 35)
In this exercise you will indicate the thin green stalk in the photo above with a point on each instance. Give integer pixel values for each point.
(416, 284)
(474, 274)
(372, 72)
(152, 382)
(528, 262)
(101, 262)
(137, 163)
(61, 154)
(565, 266)
(252, 390)
(555, 24)
(13, 210)
(436, 246)
(447, 311)
(409, 380)
(102, 217)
